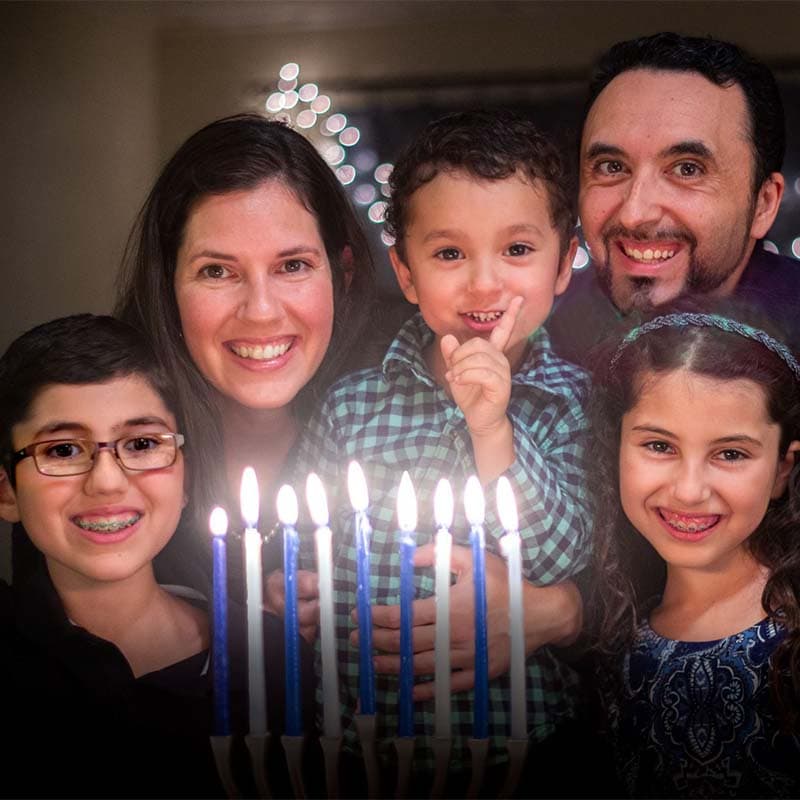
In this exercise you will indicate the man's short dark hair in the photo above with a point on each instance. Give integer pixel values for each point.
(79, 349)
(488, 145)
(722, 63)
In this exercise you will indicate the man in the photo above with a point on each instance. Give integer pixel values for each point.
(680, 159)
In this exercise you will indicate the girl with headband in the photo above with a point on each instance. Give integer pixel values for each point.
(697, 607)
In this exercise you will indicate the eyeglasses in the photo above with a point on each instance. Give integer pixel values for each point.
(141, 452)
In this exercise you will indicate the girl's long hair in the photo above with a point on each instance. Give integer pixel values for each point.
(628, 572)
(230, 154)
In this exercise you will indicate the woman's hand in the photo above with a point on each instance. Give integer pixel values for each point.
(307, 600)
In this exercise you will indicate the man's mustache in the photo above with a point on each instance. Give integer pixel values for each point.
(647, 233)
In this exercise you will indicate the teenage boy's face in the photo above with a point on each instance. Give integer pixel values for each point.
(471, 246)
(107, 524)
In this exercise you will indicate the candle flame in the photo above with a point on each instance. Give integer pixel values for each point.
(443, 504)
(218, 521)
(406, 505)
(287, 505)
(357, 487)
(506, 505)
(474, 504)
(248, 497)
(317, 501)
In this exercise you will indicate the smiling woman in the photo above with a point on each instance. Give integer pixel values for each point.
(250, 275)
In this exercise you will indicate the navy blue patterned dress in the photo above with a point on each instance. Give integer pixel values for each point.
(695, 719)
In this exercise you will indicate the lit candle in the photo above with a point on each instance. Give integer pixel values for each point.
(256, 688)
(318, 507)
(218, 524)
(510, 544)
(287, 514)
(357, 489)
(475, 509)
(443, 514)
(407, 522)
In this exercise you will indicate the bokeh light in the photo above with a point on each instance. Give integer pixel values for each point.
(290, 71)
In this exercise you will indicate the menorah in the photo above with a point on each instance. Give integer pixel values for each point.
(330, 738)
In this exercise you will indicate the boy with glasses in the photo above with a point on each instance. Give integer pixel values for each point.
(104, 682)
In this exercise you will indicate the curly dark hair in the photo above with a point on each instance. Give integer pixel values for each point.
(489, 145)
(722, 63)
(628, 572)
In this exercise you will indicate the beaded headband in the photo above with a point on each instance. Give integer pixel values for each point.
(709, 321)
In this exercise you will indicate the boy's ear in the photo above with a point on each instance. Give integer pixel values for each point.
(404, 277)
(8, 500)
(565, 267)
(785, 467)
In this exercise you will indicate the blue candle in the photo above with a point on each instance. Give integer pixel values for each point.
(357, 488)
(287, 514)
(218, 523)
(475, 510)
(407, 522)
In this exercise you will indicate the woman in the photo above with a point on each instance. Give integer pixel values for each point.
(248, 271)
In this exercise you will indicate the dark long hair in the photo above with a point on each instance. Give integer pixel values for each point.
(628, 571)
(230, 154)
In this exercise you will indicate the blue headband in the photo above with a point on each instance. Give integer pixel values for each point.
(709, 321)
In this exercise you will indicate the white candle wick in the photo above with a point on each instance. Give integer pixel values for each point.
(474, 503)
(218, 521)
(248, 497)
(287, 505)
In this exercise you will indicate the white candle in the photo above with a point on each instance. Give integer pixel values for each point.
(510, 544)
(255, 636)
(443, 514)
(318, 507)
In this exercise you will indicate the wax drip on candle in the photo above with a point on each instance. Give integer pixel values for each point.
(475, 508)
(510, 546)
(407, 522)
(318, 508)
(287, 514)
(357, 488)
(218, 525)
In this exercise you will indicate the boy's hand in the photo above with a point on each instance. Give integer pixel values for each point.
(479, 374)
(386, 621)
(307, 600)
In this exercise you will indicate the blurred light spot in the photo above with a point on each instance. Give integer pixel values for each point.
(350, 136)
(796, 247)
(364, 193)
(382, 173)
(287, 86)
(797, 186)
(290, 71)
(771, 247)
(321, 104)
(290, 99)
(275, 102)
(376, 211)
(365, 159)
(308, 91)
(346, 174)
(387, 238)
(334, 154)
(306, 118)
(581, 259)
(335, 123)
(283, 116)
(386, 190)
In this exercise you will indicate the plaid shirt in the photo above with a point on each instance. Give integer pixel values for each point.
(396, 418)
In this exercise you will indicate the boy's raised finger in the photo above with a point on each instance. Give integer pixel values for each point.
(501, 335)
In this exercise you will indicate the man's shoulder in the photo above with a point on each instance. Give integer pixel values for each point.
(581, 317)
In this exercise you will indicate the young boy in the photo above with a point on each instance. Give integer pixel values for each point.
(104, 676)
(483, 220)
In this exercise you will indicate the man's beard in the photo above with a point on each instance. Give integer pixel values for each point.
(635, 292)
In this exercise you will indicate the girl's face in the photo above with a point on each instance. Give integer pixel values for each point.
(255, 294)
(698, 465)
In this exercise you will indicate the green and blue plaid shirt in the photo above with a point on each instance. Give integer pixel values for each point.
(396, 418)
